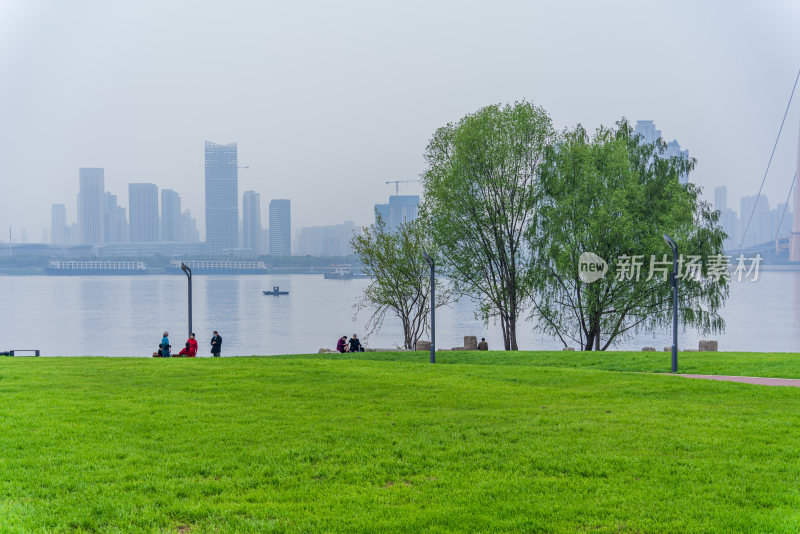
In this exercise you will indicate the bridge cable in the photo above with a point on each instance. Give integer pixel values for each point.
(770, 161)
(785, 206)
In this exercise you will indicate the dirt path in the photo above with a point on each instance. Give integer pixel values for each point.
(792, 382)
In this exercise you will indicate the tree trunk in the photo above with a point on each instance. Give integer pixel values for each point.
(513, 336)
(509, 327)
(504, 327)
(589, 340)
(597, 335)
(407, 333)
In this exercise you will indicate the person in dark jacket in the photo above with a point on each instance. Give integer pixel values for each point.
(216, 344)
(355, 344)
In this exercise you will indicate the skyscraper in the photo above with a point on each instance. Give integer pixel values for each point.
(721, 198)
(383, 212)
(649, 134)
(58, 224)
(90, 205)
(251, 221)
(400, 209)
(222, 196)
(170, 215)
(189, 232)
(280, 228)
(755, 211)
(143, 209)
(647, 129)
(331, 240)
(115, 225)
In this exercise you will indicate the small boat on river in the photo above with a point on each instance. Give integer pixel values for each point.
(275, 291)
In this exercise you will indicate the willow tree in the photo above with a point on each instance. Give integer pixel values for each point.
(400, 278)
(479, 200)
(613, 197)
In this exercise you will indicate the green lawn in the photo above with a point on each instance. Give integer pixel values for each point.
(776, 365)
(385, 442)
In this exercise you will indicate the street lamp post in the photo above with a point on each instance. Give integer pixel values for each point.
(185, 268)
(433, 307)
(674, 281)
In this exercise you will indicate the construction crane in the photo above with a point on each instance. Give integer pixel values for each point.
(397, 184)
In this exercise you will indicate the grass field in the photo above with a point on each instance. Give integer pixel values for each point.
(538, 441)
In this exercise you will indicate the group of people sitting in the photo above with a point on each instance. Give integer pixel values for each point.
(349, 345)
(189, 349)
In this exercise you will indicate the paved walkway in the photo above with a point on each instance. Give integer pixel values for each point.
(792, 382)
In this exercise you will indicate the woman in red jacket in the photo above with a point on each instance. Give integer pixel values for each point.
(190, 350)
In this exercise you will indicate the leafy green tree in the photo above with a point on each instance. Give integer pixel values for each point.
(616, 197)
(479, 200)
(400, 278)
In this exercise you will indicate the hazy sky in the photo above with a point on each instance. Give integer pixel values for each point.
(328, 100)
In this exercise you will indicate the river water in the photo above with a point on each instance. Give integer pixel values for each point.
(125, 316)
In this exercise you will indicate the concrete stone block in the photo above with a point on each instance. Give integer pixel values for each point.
(708, 345)
(649, 349)
(470, 343)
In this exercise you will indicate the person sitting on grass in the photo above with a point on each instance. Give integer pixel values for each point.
(355, 344)
(341, 345)
(190, 350)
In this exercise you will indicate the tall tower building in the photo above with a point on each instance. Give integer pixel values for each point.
(721, 198)
(384, 212)
(755, 210)
(222, 196)
(649, 135)
(115, 225)
(143, 209)
(647, 129)
(58, 224)
(400, 209)
(90, 205)
(170, 216)
(280, 228)
(251, 221)
(189, 232)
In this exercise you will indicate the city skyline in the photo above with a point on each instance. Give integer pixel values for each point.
(222, 169)
(98, 106)
(110, 222)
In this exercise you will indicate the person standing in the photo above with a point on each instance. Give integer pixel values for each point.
(165, 345)
(216, 344)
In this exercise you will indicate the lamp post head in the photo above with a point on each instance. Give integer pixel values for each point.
(185, 268)
(428, 258)
(668, 240)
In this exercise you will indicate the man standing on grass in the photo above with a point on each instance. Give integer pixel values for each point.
(216, 344)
